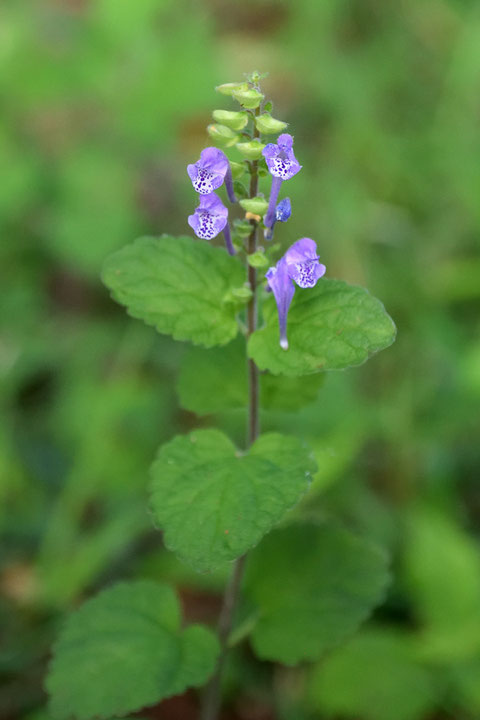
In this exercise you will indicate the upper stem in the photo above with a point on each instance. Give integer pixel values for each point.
(211, 700)
(253, 377)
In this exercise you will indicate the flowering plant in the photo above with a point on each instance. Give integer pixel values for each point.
(307, 585)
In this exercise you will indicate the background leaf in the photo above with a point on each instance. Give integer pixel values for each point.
(178, 285)
(376, 676)
(124, 649)
(223, 384)
(330, 327)
(214, 503)
(313, 586)
(442, 571)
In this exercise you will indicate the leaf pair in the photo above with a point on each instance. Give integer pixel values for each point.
(309, 588)
(182, 287)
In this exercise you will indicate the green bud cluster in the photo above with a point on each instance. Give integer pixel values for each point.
(243, 130)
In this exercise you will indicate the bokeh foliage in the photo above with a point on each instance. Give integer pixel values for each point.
(103, 104)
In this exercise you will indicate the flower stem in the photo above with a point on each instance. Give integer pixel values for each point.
(212, 696)
(270, 216)
(228, 239)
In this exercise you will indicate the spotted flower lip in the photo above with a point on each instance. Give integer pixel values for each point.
(300, 265)
(209, 218)
(280, 159)
(210, 172)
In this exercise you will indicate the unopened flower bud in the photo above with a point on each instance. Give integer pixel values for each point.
(238, 169)
(222, 135)
(257, 259)
(252, 150)
(249, 98)
(229, 88)
(242, 228)
(233, 120)
(257, 205)
(268, 125)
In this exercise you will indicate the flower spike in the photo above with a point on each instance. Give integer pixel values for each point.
(210, 172)
(300, 265)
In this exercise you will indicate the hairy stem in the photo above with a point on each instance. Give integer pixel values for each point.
(212, 697)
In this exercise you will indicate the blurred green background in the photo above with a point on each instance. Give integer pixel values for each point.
(103, 103)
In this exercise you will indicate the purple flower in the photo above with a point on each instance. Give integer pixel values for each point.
(299, 264)
(283, 212)
(280, 159)
(282, 165)
(210, 218)
(209, 173)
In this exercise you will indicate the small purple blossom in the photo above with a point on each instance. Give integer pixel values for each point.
(283, 212)
(283, 290)
(210, 172)
(209, 218)
(299, 264)
(282, 165)
(280, 159)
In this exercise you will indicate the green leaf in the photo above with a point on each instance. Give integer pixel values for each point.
(330, 327)
(177, 285)
(214, 503)
(442, 569)
(313, 586)
(211, 381)
(377, 676)
(125, 649)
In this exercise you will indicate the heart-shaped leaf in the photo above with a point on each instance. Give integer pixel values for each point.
(223, 384)
(178, 285)
(213, 503)
(125, 649)
(330, 327)
(313, 586)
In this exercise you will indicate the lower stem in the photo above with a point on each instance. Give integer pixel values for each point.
(212, 697)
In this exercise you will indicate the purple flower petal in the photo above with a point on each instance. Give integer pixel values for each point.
(302, 263)
(283, 290)
(285, 141)
(209, 172)
(209, 218)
